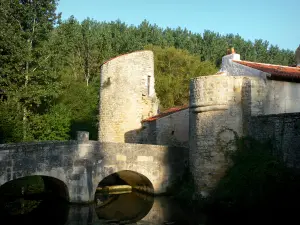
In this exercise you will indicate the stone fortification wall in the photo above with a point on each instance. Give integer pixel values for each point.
(220, 111)
(283, 132)
(227, 107)
(216, 117)
(171, 130)
(277, 97)
(127, 96)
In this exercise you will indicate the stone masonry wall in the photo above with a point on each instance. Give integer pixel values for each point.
(171, 130)
(127, 96)
(283, 132)
(160, 164)
(215, 121)
(281, 97)
(220, 108)
(65, 161)
(82, 165)
(227, 107)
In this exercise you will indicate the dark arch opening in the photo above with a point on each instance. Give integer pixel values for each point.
(125, 206)
(137, 181)
(32, 198)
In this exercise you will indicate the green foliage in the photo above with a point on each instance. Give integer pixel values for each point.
(10, 122)
(174, 68)
(253, 167)
(31, 184)
(82, 102)
(258, 182)
(26, 73)
(54, 125)
(10, 191)
(43, 66)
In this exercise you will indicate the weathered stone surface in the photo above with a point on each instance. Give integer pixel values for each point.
(215, 122)
(127, 96)
(171, 130)
(283, 132)
(223, 108)
(81, 166)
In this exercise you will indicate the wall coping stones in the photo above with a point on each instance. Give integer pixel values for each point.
(38, 144)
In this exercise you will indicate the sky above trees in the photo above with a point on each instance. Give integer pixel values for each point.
(273, 20)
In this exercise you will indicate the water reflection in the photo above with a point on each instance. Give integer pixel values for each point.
(129, 208)
(27, 211)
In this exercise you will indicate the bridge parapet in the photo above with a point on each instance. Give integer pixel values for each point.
(82, 165)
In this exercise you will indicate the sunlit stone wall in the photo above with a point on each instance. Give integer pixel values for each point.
(171, 130)
(127, 96)
(223, 108)
(279, 97)
(216, 120)
(81, 165)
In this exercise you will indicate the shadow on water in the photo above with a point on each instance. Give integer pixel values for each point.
(49, 210)
(33, 199)
(130, 208)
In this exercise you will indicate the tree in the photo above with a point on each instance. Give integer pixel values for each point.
(27, 77)
(45, 69)
(174, 68)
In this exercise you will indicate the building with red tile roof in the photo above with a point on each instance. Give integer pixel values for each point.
(233, 66)
(271, 71)
(276, 72)
(166, 113)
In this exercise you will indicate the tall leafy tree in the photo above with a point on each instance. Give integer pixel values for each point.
(48, 70)
(174, 68)
(27, 77)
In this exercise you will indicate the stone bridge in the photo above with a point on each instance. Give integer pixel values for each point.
(74, 168)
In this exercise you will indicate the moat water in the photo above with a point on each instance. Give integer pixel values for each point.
(129, 208)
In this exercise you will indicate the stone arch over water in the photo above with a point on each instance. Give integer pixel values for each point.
(117, 207)
(135, 179)
(35, 184)
(34, 200)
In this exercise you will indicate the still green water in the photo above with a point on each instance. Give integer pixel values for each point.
(129, 208)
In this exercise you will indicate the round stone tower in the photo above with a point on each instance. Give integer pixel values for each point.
(218, 107)
(127, 96)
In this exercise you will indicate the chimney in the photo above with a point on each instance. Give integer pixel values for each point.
(230, 51)
(297, 53)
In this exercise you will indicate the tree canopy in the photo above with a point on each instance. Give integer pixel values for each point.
(49, 69)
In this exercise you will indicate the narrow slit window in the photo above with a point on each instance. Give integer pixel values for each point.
(148, 84)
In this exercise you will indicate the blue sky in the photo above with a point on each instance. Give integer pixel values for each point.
(277, 21)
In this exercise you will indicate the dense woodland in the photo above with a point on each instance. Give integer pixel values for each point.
(49, 68)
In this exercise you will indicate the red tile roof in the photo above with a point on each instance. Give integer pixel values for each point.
(277, 72)
(166, 113)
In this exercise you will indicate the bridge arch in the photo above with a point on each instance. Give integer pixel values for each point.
(116, 206)
(135, 179)
(34, 185)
